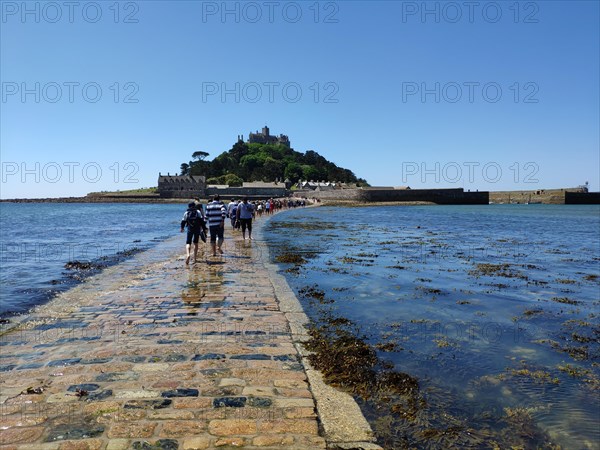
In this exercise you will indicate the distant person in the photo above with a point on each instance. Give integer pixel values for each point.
(193, 219)
(233, 215)
(232, 204)
(216, 214)
(245, 213)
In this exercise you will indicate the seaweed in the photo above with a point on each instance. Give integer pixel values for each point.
(496, 270)
(566, 281)
(532, 312)
(565, 300)
(290, 258)
(402, 414)
(574, 371)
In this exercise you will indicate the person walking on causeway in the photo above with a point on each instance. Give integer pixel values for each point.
(193, 218)
(216, 214)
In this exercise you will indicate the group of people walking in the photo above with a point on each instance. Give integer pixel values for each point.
(240, 213)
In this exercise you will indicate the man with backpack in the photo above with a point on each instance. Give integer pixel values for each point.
(193, 218)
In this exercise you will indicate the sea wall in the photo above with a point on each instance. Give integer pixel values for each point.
(439, 196)
(582, 198)
(546, 196)
(252, 193)
(342, 194)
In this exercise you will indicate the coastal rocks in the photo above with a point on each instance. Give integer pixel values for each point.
(82, 265)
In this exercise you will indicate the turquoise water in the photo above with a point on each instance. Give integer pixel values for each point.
(494, 309)
(38, 239)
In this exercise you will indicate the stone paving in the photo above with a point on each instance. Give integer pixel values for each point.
(160, 356)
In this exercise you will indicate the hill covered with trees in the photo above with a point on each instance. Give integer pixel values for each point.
(266, 162)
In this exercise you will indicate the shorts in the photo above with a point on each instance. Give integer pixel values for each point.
(246, 223)
(193, 235)
(216, 231)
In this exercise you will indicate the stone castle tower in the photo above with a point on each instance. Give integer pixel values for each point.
(264, 137)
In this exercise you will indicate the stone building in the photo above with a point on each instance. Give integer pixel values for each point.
(264, 137)
(181, 186)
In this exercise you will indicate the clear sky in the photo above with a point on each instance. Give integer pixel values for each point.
(481, 95)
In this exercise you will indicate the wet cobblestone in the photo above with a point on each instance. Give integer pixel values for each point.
(156, 355)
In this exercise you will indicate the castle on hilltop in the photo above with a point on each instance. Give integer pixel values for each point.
(264, 137)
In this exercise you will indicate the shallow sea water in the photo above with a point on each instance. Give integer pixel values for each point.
(38, 239)
(494, 309)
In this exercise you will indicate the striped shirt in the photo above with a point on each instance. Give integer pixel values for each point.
(215, 213)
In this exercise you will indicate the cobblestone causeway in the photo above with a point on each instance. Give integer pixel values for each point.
(155, 355)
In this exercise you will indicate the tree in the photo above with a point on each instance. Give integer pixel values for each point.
(214, 180)
(293, 171)
(251, 162)
(311, 157)
(233, 180)
(310, 173)
(239, 150)
(199, 167)
(199, 155)
(185, 169)
(273, 169)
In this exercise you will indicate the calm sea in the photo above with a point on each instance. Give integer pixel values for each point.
(38, 239)
(494, 309)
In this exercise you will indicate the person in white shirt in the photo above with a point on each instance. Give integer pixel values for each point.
(245, 213)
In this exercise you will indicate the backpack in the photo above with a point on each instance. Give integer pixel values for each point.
(193, 219)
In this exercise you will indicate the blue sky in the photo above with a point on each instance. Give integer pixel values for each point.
(505, 96)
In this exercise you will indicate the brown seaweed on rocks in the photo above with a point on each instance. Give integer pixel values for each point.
(290, 258)
(403, 415)
(496, 270)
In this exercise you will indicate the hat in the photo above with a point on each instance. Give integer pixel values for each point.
(191, 205)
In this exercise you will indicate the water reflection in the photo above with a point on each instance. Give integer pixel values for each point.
(203, 281)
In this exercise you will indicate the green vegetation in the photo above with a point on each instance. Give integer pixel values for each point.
(131, 192)
(265, 162)
(230, 179)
